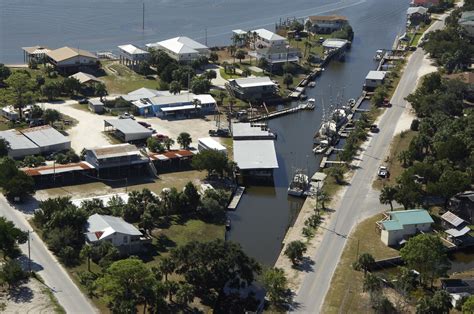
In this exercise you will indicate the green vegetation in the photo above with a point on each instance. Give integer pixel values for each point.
(15, 183)
(294, 251)
(213, 162)
(120, 79)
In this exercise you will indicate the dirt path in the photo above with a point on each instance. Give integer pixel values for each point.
(29, 298)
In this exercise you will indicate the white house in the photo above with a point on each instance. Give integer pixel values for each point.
(266, 38)
(132, 56)
(123, 235)
(374, 79)
(182, 49)
(399, 225)
(325, 24)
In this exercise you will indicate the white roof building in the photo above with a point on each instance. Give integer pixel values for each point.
(128, 129)
(248, 131)
(268, 36)
(114, 229)
(104, 198)
(181, 48)
(418, 10)
(250, 82)
(20, 145)
(376, 75)
(335, 43)
(132, 49)
(47, 138)
(255, 154)
(207, 143)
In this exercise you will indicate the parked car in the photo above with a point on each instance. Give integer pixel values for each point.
(220, 132)
(374, 128)
(126, 115)
(161, 137)
(83, 101)
(383, 172)
(36, 122)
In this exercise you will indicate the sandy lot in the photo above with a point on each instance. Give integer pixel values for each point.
(29, 298)
(89, 130)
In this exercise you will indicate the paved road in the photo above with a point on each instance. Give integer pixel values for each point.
(46, 265)
(360, 200)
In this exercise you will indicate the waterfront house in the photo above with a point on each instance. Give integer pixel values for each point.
(374, 79)
(166, 105)
(462, 204)
(417, 15)
(96, 105)
(239, 37)
(115, 156)
(70, 60)
(467, 22)
(181, 49)
(325, 24)
(35, 53)
(397, 226)
(455, 227)
(252, 88)
(127, 130)
(335, 44)
(424, 3)
(277, 55)
(266, 38)
(132, 56)
(123, 235)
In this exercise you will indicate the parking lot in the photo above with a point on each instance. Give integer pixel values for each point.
(89, 130)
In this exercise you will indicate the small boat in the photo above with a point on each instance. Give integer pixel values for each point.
(227, 224)
(311, 104)
(312, 84)
(321, 147)
(379, 55)
(299, 185)
(351, 102)
(303, 96)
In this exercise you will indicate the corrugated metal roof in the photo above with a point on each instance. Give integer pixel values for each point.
(376, 75)
(254, 81)
(242, 130)
(18, 141)
(268, 35)
(172, 99)
(128, 126)
(45, 135)
(255, 154)
(132, 49)
(84, 77)
(452, 219)
(407, 217)
(179, 45)
(458, 233)
(58, 168)
(109, 225)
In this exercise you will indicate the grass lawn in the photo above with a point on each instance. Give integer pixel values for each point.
(229, 76)
(345, 292)
(119, 79)
(399, 143)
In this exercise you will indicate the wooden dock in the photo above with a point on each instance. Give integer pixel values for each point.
(279, 113)
(236, 198)
(327, 163)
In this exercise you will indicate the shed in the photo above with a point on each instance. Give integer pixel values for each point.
(375, 79)
(127, 129)
(207, 143)
(96, 105)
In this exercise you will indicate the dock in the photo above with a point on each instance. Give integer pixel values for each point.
(236, 198)
(327, 163)
(280, 113)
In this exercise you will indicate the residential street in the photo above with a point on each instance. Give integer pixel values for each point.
(360, 199)
(46, 265)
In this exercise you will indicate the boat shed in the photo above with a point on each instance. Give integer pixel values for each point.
(20, 146)
(255, 155)
(241, 131)
(374, 79)
(335, 44)
(47, 138)
(127, 130)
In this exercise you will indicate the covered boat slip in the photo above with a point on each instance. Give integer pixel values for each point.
(255, 159)
(68, 174)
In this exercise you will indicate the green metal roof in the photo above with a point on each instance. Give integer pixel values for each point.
(407, 217)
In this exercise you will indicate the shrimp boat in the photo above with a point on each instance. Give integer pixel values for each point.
(300, 184)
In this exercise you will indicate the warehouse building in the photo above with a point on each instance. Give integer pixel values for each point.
(127, 130)
(33, 141)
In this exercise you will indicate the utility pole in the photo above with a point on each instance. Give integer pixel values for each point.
(29, 253)
(205, 31)
(143, 17)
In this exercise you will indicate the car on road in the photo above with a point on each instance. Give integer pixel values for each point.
(374, 128)
(383, 172)
(83, 101)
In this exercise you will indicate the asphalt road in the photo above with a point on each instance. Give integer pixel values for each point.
(46, 265)
(360, 200)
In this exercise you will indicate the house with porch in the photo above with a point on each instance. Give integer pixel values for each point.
(182, 49)
(462, 204)
(252, 88)
(35, 53)
(71, 60)
(265, 38)
(325, 24)
(132, 56)
(374, 79)
(277, 55)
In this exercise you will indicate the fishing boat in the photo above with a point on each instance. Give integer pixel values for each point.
(299, 185)
(351, 102)
(321, 148)
(327, 131)
(311, 104)
(379, 55)
(312, 84)
(339, 117)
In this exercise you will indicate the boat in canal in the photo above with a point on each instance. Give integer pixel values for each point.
(312, 84)
(327, 131)
(311, 104)
(339, 117)
(321, 148)
(300, 184)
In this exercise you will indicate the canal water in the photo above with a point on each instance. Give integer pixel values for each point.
(264, 214)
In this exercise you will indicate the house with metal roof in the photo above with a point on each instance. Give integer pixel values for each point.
(255, 158)
(181, 49)
(325, 24)
(277, 54)
(266, 38)
(132, 56)
(335, 44)
(85, 78)
(112, 156)
(127, 130)
(123, 235)
(397, 226)
(252, 88)
(69, 59)
(248, 131)
(96, 105)
(36, 53)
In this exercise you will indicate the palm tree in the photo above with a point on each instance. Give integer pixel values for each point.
(168, 142)
(100, 90)
(307, 47)
(323, 197)
(225, 64)
(404, 158)
(255, 36)
(172, 287)
(166, 267)
(365, 262)
(240, 54)
(185, 294)
(387, 196)
(175, 87)
(288, 80)
(236, 39)
(86, 252)
(221, 95)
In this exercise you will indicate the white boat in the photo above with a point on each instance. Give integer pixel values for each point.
(327, 131)
(340, 117)
(379, 55)
(312, 84)
(351, 102)
(321, 147)
(311, 104)
(299, 185)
